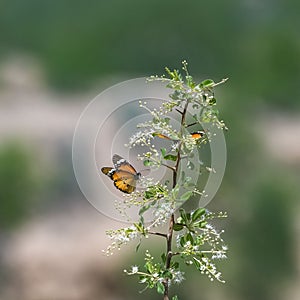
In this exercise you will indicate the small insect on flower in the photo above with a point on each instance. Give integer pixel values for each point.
(123, 174)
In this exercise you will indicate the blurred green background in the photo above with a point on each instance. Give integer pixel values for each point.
(55, 56)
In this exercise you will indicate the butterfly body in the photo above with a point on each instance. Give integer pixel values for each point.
(123, 174)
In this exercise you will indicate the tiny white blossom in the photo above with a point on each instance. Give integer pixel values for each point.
(178, 277)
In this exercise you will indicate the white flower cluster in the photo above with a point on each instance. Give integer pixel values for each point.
(177, 276)
(209, 268)
(212, 236)
(163, 213)
(134, 270)
(121, 237)
(141, 138)
(199, 254)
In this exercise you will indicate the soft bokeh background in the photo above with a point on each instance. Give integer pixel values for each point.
(55, 56)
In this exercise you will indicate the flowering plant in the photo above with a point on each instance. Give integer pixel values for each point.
(198, 243)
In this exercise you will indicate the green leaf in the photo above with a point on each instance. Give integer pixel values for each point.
(140, 227)
(178, 227)
(203, 224)
(190, 238)
(190, 82)
(167, 120)
(207, 83)
(138, 246)
(144, 209)
(197, 264)
(149, 194)
(175, 297)
(163, 151)
(175, 265)
(170, 157)
(183, 214)
(164, 258)
(212, 101)
(160, 288)
(167, 274)
(186, 196)
(148, 163)
(175, 191)
(198, 213)
(182, 240)
(149, 267)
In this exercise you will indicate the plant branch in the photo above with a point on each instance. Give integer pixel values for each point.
(192, 124)
(158, 233)
(172, 219)
(169, 167)
(169, 255)
(179, 111)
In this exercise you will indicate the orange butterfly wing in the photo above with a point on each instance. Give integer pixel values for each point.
(124, 181)
(123, 175)
(197, 135)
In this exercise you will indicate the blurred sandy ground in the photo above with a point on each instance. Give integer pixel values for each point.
(57, 254)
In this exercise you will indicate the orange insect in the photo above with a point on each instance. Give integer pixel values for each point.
(123, 174)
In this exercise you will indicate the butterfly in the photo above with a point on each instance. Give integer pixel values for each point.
(123, 174)
(195, 135)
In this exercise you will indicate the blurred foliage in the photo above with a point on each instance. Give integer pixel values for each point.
(17, 184)
(254, 43)
(269, 243)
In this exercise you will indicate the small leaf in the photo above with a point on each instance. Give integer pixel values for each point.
(203, 224)
(197, 263)
(149, 267)
(138, 246)
(160, 288)
(164, 258)
(183, 214)
(190, 238)
(175, 191)
(149, 194)
(212, 101)
(207, 83)
(175, 297)
(163, 151)
(186, 196)
(198, 213)
(144, 209)
(167, 120)
(182, 241)
(190, 81)
(170, 157)
(167, 274)
(178, 227)
(148, 163)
